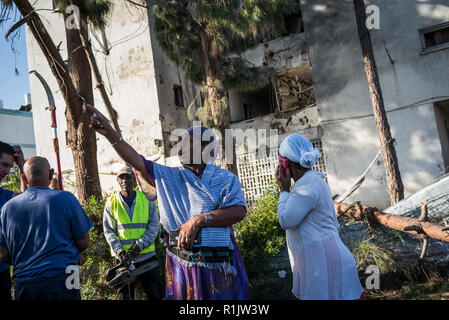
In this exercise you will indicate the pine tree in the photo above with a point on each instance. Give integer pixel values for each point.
(204, 37)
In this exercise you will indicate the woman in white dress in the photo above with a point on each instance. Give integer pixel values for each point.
(323, 268)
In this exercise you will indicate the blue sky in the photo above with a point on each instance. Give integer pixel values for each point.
(13, 87)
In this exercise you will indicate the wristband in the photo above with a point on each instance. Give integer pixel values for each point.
(207, 215)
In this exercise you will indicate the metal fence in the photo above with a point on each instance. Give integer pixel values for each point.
(256, 172)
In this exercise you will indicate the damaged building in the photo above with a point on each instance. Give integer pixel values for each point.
(318, 88)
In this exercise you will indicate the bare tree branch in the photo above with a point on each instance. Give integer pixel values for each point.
(139, 4)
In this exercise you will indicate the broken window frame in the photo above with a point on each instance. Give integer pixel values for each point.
(178, 96)
(429, 30)
(305, 89)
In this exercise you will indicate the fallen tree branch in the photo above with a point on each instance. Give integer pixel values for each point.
(392, 221)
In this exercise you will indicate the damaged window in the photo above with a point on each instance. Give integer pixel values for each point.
(252, 103)
(294, 88)
(435, 37)
(177, 92)
(289, 89)
(291, 23)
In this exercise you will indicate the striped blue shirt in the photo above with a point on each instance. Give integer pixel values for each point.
(182, 195)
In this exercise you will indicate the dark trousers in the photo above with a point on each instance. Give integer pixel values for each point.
(49, 289)
(150, 281)
(5, 285)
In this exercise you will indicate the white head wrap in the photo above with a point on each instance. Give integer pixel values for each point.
(299, 149)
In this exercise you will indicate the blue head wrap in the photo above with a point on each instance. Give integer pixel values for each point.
(299, 149)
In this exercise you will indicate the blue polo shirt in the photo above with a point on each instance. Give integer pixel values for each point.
(39, 227)
(5, 195)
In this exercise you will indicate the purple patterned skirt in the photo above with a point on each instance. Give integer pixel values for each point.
(186, 280)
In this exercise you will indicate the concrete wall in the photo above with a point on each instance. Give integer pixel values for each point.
(140, 79)
(350, 140)
(128, 73)
(16, 128)
(279, 54)
(303, 121)
(41, 117)
(168, 74)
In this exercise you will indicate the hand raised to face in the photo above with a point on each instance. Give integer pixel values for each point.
(18, 157)
(283, 181)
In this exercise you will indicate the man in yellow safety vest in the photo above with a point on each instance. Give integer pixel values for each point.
(131, 223)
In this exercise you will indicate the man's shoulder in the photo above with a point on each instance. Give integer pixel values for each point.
(221, 175)
(59, 194)
(63, 199)
(7, 194)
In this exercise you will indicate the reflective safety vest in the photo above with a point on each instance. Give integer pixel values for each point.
(129, 231)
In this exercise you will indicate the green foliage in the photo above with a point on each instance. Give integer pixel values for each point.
(259, 235)
(426, 290)
(228, 27)
(97, 11)
(12, 180)
(366, 253)
(99, 259)
(261, 240)
(204, 113)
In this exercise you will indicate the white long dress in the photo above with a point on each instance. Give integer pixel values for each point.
(323, 268)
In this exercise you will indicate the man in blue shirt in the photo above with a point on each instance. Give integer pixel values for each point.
(8, 155)
(42, 233)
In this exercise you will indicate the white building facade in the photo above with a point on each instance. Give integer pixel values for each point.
(16, 128)
(318, 88)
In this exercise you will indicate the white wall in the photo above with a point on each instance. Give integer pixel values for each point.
(128, 72)
(16, 128)
(342, 92)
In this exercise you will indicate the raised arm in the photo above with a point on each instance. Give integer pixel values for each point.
(102, 125)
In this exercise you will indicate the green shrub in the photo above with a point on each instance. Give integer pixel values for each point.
(12, 180)
(99, 259)
(259, 235)
(366, 253)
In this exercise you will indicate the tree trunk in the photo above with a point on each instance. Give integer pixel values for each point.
(82, 138)
(393, 175)
(393, 221)
(100, 84)
(84, 159)
(218, 107)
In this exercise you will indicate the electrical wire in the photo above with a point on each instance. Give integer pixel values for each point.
(416, 104)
